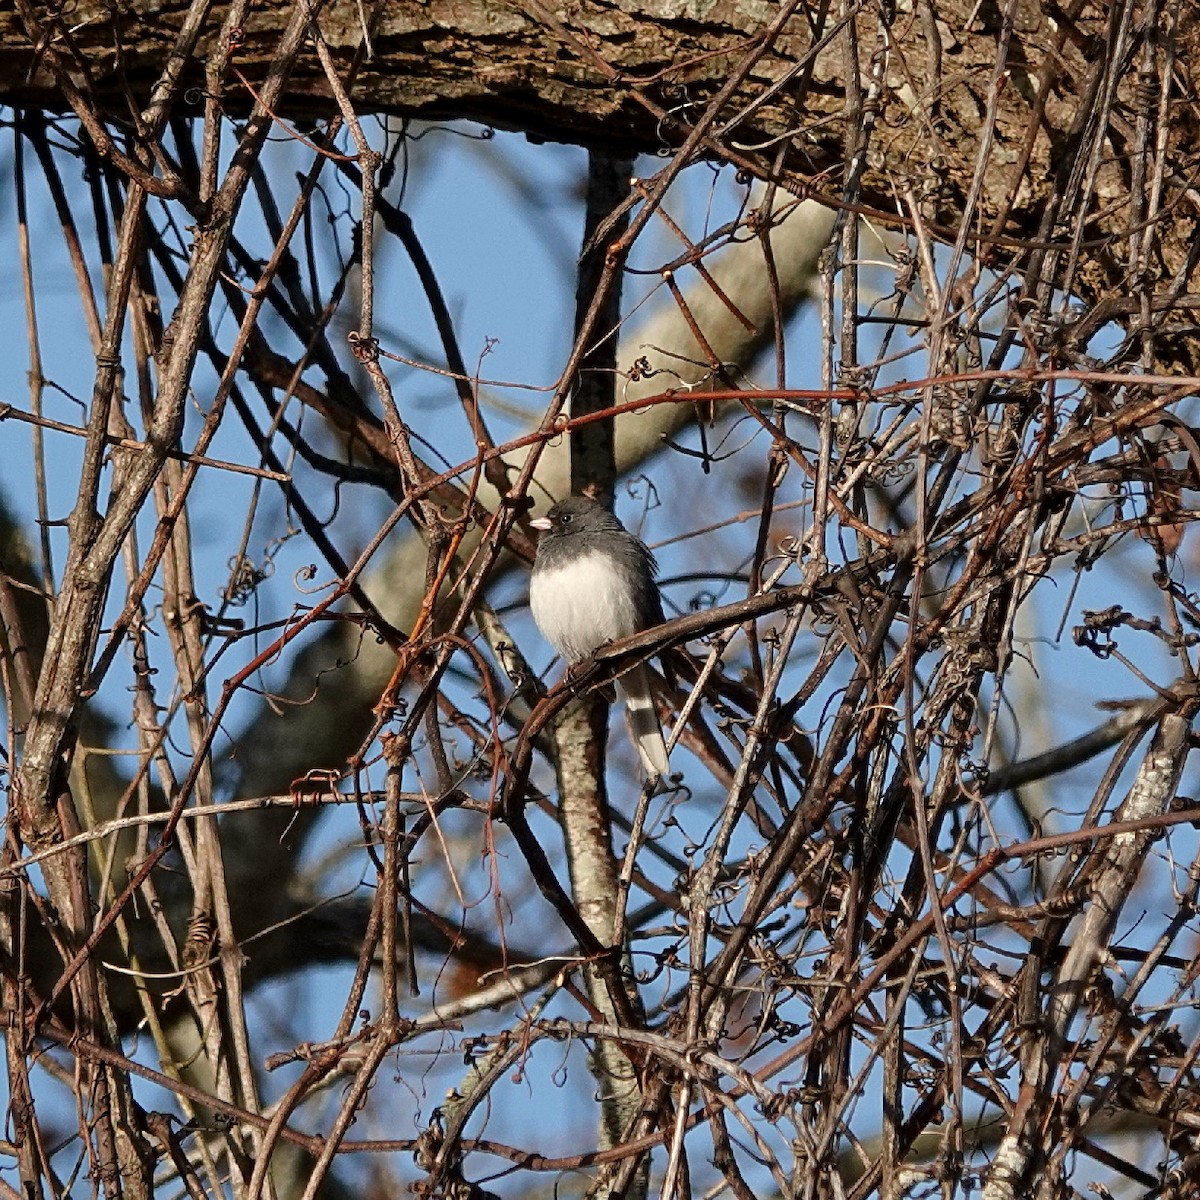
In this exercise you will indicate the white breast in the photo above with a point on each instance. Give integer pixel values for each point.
(581, 606)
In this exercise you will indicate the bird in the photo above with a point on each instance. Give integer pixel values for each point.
(593, 582)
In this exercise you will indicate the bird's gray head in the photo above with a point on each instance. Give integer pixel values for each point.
(575, 515)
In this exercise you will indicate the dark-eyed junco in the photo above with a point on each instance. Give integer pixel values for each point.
(593, 582)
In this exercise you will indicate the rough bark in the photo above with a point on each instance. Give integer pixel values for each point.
(952, 78)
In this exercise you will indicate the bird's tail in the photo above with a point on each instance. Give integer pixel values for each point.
(643, 717)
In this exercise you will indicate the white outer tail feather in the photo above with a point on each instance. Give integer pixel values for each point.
(643, 718)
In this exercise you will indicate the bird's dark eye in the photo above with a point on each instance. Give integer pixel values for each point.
(566, 518)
